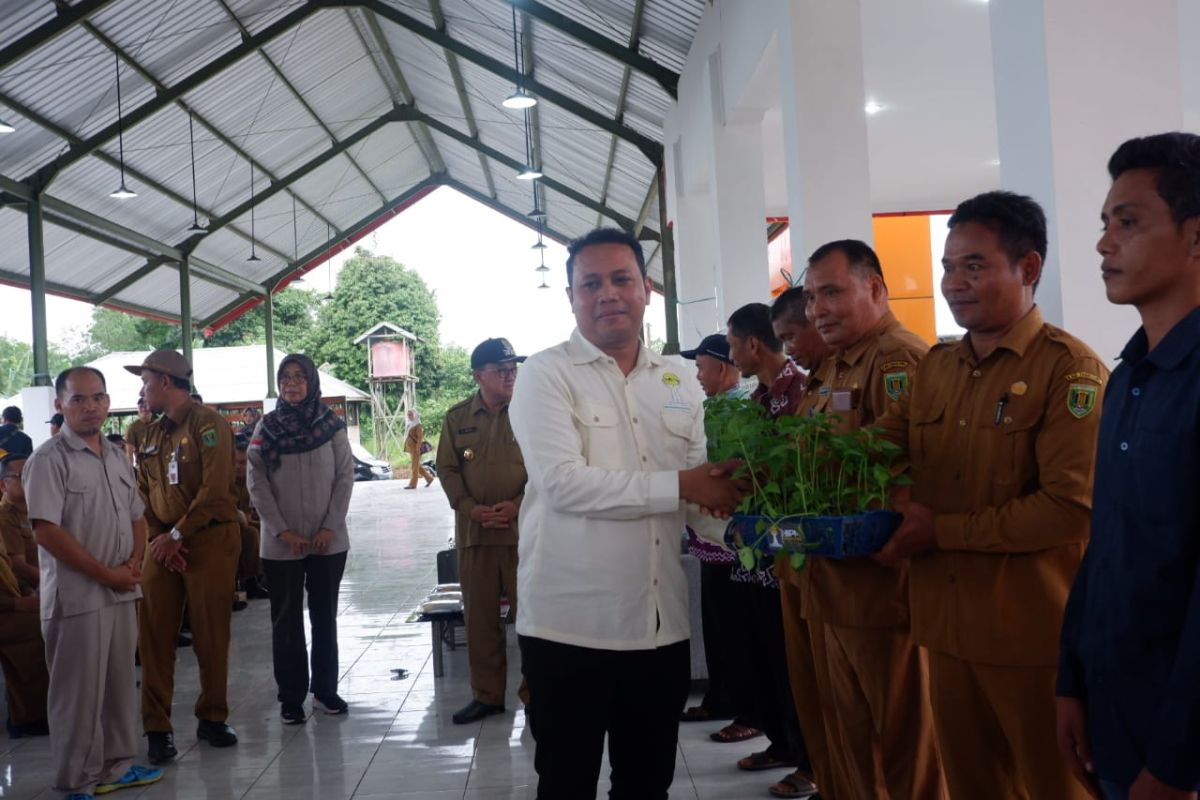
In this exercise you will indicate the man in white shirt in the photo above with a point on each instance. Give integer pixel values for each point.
(613, 440)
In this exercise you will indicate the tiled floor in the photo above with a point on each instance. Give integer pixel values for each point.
(398, 740)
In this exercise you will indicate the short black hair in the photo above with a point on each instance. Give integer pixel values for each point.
(754, 320)
(857, 252)
(790, 305)
(1175, 157)
(604, 236)
(1018, 221)
(60, 383)
(13, 415)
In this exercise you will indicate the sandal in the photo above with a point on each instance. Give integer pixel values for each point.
(756, 762)
(734, 733)
(795, 785)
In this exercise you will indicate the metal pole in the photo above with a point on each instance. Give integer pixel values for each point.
(670, 293)
(269, 324)
(185, 305)
(37, 292)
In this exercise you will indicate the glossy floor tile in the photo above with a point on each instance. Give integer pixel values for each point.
(398, 740)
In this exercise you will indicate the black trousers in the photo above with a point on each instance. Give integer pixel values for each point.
(766, 660)
(579, 694)
(718, 615)
(322, 577)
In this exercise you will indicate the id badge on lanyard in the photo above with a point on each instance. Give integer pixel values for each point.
(173, 470)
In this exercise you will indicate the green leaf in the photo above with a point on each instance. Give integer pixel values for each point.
(746, 557)
(798, 560)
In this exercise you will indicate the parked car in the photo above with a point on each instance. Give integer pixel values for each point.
(367, 467)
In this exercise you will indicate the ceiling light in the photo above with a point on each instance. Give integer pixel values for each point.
(537, 213)
(123, 192)
(196, 227)
(540, 245)
(544, 285)
(542, 268)
(518, 101)
(6, 128)
(873, 107)
(529, 174)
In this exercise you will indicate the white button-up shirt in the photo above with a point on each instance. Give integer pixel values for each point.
(602, 517)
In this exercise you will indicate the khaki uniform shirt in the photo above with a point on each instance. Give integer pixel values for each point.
(94, 498)
(17, 533)
(136, 432)
(10, 589)
(478, 461)
(1002, 450)
(200, 442)
(412, 441)
(857, 384)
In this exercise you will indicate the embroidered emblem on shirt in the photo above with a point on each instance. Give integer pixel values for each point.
(1081, 399)
(1019, 388)
(1090, 376)
(893, 366)
(209, 437)
(670, 379)
(895, 384)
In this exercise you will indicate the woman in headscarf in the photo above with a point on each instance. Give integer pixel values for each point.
(414, 436)
(300, 478)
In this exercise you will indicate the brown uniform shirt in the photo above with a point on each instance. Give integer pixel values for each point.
(17, 533)
(136, 432)
(857, 384)
(478, 461)
(1002, 450)
(200, 442)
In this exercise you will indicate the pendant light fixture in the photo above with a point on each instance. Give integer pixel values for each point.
(328, 266)
(540, 245)
(543, 269)
(518, 100)
(538, 214)
(253, 242)
(6, 128)
(529, 172)
(196, 226)
(122, 192)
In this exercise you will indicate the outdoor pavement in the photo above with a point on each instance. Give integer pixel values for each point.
(398, 740)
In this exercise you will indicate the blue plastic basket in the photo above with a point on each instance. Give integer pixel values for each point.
(828, 537)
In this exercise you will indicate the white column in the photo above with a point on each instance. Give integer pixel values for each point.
(694, 273)
(1074, 79)
(739, 215)
(824, 124)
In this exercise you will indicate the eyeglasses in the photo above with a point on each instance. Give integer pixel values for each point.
(293, 377)
(503, 372)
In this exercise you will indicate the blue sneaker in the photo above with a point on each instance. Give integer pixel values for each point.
(136, 776)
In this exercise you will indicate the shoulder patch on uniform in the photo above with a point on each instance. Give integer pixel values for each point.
(209, 437)
(1089, 376)
(895, 384)
(893, 366)
(1081, 399)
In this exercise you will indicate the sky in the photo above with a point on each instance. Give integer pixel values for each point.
(478, 262)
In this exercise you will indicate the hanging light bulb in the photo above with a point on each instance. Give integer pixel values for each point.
(253, 254)
(518, 100)
(540, 245)
(6, 128)
(196, 226)
(122, 192)
(543, 284)
(529, 174)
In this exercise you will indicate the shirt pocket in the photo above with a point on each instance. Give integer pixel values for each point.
(927, 434)
(599, 430)
(678, 425)
(1014, 466)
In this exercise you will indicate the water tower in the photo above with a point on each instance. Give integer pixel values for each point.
(390, 368)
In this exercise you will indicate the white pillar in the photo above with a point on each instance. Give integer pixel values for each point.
(694, 275)
(37, 406)
(1074, 79)
(824, 124)
(739, 215)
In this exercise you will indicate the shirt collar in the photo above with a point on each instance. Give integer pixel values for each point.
(478, 406)
(581, 351)
(783, 382)
(852, 354)
(1016, 340)
(184, 413)
(1179, 342)
(72, 439)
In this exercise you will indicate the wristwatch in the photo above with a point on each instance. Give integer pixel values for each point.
(176, 535)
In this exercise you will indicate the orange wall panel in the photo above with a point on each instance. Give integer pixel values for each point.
(904, 250)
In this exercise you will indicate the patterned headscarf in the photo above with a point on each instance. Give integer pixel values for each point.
(297, 427)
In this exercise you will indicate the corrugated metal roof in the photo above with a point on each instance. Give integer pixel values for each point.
(337, 72)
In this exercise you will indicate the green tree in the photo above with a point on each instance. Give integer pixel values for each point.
(115, 331)
(16, 365)
(372, 289)
(454, 384)
(294, 313)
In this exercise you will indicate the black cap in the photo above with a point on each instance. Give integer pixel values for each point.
(494, 351)
(57, 420)
(715, 345)
(15, 445)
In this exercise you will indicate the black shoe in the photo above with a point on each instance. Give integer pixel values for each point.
(239, 605)
(475, 711)
(256, 590)
(183, 641)
(218, 734)
(39, 728)
(292, 714)
(162, 746)
(332, 705)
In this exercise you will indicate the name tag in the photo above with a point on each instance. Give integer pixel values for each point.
(471, 429)
(843, 400)
(173, 472)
